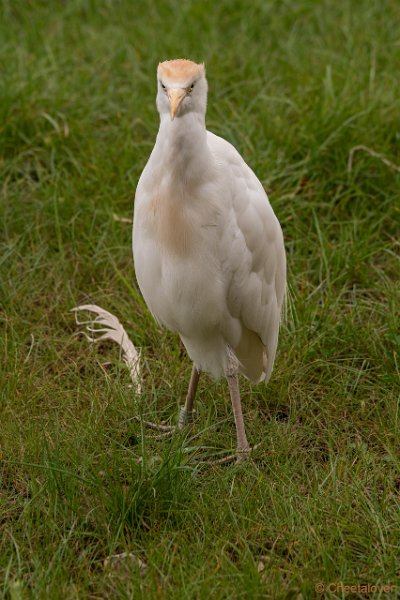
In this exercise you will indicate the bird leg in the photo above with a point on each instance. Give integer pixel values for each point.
(242, 448)
(186, 412)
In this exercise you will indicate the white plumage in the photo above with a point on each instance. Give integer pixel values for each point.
(208, 248)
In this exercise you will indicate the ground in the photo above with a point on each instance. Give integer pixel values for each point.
(296, 87)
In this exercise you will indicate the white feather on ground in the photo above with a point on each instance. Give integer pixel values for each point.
(106, 326)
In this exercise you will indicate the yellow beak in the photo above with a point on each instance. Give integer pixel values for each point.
(175, 98)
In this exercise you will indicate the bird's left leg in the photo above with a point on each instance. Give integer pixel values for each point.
(242, 448)
(186, 412)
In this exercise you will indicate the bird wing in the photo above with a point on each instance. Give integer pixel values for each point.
(253, 261)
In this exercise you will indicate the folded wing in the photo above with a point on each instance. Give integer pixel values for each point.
(252, 256)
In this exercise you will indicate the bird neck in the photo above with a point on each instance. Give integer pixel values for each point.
(182, 144)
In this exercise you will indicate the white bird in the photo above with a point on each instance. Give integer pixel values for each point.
(208, 249)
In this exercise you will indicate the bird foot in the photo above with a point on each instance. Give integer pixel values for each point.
(240, 456)
(165, 430)
(185, 418)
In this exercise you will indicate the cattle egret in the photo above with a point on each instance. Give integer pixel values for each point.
(208, 249)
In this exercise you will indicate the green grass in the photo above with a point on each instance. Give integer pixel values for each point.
(295, 86)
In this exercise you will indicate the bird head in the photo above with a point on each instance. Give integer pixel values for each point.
(182, 88)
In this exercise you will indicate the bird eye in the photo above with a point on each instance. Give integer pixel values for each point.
(164, 87)
(190, 89)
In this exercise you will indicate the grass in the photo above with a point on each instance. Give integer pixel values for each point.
(295, 86)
